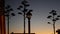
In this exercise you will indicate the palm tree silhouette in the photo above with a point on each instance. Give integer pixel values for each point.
(54, 17)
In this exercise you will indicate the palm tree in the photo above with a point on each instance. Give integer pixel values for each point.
(24, 10)
(54, 17)
(7, 13)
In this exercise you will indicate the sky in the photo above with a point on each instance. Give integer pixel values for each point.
(41, 9)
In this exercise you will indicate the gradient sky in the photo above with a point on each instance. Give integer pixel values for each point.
(41, 9)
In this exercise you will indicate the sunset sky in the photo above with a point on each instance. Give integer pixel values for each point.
(41, 9)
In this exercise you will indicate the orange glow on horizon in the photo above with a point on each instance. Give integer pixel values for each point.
(36, 32)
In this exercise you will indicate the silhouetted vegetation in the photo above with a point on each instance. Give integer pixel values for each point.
(54, 17)
(24, 10)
